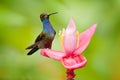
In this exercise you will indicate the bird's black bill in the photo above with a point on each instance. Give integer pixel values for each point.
(53, 13)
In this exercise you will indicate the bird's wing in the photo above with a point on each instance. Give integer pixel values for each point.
(40, 37)
(37, 40)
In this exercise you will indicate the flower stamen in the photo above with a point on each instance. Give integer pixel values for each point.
(61, 38)
(77, 39)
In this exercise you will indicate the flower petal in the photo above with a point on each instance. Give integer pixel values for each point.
(57, 55)
(85, 38)
(70, 37)
(75, 62)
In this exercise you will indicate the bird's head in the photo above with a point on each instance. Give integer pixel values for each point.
(46, 16)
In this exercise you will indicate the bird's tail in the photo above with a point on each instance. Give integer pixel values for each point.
(31, 46)
(33, 50)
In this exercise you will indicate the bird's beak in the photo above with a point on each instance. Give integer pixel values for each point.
(53, 13)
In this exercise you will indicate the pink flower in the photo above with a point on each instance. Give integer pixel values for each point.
(73, 45)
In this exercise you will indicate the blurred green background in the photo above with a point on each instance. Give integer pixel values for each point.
(20, 25)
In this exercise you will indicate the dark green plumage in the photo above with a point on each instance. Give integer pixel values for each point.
(44, 40)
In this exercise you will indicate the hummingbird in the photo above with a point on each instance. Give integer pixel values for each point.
(46, 37)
